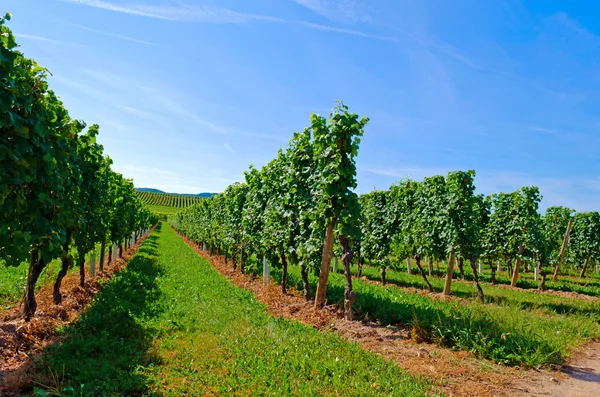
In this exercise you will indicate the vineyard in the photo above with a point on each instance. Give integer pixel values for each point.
(291, 228)
(288, 283)
(59, 195)
(168, 200)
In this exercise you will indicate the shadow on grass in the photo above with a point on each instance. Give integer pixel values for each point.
(444, 323)
(585, 288)
(533, 304)
(558, 308)
(103, 348)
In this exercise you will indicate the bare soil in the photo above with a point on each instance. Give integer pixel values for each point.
(456, 373)
(580, 377)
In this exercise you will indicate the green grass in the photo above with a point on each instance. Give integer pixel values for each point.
(530, 300)
(590, 285)
(162, 210)
(13, 280)
(171, 325)
(510, 333)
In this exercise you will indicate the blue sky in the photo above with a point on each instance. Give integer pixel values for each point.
(188, 93)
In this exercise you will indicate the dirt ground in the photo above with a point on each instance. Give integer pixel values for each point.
(456, 373)
(19, 340)
(580, 377)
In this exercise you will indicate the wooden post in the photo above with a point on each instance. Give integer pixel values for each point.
(480, 270)
(536, 272)
(93, 263)
(585, 265)
(242, 258)
(102, 254)
(563, 249)
(450, 273)
(498, 267)
(266, 271)
(430, 265)
(335, 265)
(325, 264)
(515, 275)
(408, 265)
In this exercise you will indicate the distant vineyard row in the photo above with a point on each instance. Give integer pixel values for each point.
(168, 200)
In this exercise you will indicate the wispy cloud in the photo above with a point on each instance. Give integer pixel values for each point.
(180, 12)
(138, 112)
(357, 11)
(115, 35)
(115, 7)
(352, 10)
(543, 130)
(558, 94)
(346, 31)
(114, 125)
(446, 49)
(570, 23)
(46, 39)
(416, 173)
(228, 147)
(204, 14)
(173, 107)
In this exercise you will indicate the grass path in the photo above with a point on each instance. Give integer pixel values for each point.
(171, 325)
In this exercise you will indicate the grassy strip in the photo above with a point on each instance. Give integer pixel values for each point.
(590, 285)
(505, 334)
(171, 325)
(529, 300)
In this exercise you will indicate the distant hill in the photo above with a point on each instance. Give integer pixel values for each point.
(151, 190)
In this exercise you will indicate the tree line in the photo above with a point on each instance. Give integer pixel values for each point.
(58, 193)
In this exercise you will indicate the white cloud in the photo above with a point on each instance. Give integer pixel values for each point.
(187, 13)
(115, 35)
(544, 130)
(346, 31)
(207, 14)
(114, 7)
(568, 22)
(45, 39)
(351, 10)
(228, 147)
(415, 173)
